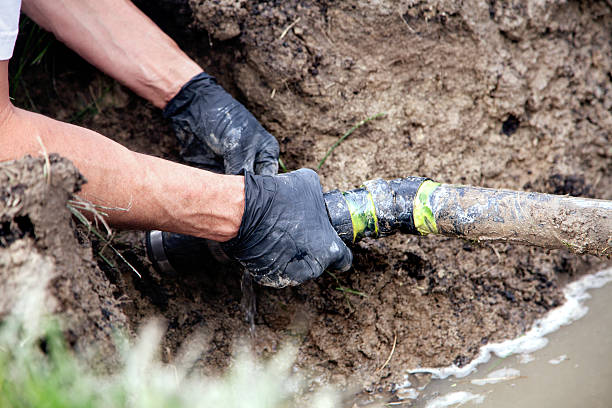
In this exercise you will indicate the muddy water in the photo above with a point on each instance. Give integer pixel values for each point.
(248, 301)
(573, 369)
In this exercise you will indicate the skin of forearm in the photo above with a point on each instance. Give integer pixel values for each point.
(143, 192)
(155, 193)
(146, 192)
(120, 40)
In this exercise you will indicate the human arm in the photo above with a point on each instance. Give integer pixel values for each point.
(116, 37)
(168, 195)
(158, 193)
(215, 131)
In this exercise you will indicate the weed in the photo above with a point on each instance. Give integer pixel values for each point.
(347, 134)
(346, 291)
(351, 291)
(47, 166)
(35, 48)
(282, 165)
(78, 206)
(390, 353)
(90, 108)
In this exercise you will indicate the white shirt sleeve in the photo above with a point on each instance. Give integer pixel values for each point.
(9, 26)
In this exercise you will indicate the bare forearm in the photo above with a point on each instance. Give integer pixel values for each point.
(158, 194)
(120, 40)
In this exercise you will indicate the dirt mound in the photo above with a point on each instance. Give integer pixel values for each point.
(39, 250)
(498, 94)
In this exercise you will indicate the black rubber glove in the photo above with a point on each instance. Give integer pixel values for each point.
(217, 132)
(285, 237)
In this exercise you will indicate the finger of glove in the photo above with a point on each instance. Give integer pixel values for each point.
(236, 166)
(269, 168)
(337, 255)
(203, 160)
(266, 161)
(266, 158)
(342, 257)
(237, 159)
(329, 249)
(301, 269)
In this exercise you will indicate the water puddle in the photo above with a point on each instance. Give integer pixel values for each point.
(553, 365)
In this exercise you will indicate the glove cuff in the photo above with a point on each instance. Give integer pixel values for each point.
(249, 186)
(259, 192)
(187, 93)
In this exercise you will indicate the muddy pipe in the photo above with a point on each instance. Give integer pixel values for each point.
(420, 206)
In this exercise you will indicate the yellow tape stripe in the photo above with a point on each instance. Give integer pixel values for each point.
(424, 219)
(363, 214)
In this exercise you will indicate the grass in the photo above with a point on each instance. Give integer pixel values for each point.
(351, 291)
(37, 369)
(344, 288)
(91, 108)
(78, 206)
(35, 48)
(346, 291)
(282, 165)
(338, 142)
(347, 134)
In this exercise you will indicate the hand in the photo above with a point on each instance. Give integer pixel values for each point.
(285, 237)
(217, 132)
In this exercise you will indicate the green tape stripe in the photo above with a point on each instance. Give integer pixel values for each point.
(424, 220)
(363, 213)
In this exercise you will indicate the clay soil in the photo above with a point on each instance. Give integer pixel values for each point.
(498, 94)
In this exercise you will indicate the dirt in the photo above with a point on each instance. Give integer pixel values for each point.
(40, 248)
(498, 94)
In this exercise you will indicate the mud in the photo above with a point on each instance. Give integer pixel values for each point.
(515, 95)
(39, 247)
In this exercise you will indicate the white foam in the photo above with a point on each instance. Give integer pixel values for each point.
(459, 397)
(526, 358)
(558, 360)
(572, 310)
(503, 374)
(408, 393)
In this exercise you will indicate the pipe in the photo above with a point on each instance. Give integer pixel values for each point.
(581, 225)
(420, 206)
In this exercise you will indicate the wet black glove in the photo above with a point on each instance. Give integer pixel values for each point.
(285, 237)
(217, 132)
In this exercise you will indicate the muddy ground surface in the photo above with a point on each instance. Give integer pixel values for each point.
(499, 94)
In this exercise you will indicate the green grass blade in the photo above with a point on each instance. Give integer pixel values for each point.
(282, 165)
(41, 54)
(347, 134)
(351, 291)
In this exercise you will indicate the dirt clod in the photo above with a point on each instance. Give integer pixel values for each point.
(39, 250)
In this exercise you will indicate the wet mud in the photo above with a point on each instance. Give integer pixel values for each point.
(504, 95)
